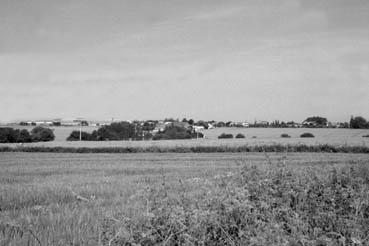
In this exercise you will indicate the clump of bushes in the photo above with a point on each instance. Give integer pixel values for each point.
(225, 135)
(177, 132)
(281, 206)
(129, 131)
(240, 135)
(38, 134)
(285, 135)
(42, 134)
(85, 136)
(366, 136)
(307, 135)
(116, 131)
(294, 148)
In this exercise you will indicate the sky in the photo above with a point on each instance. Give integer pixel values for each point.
(203, 59)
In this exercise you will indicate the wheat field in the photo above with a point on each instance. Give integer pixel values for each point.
(183, 199)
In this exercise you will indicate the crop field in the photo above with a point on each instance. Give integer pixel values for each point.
(263, 136)
(184, 199)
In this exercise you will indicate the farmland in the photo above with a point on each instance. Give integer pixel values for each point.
(263, 136)
(186, 199)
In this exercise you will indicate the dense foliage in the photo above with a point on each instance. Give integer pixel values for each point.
(115, 131)
(277, 206)
(307, 135)
(285, 135)
(240, 135)
(177, 132)
(197, 149)
(317, 120)
(277, 201)
(358, 123)
(77, 135)
(38, 134)
(225, 135)
(42, 134)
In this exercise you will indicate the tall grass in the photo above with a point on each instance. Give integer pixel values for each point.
(277, 205)
(274, 201)
(196, 149)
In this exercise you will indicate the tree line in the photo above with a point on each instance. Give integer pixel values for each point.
(130, 131)
(38, 134)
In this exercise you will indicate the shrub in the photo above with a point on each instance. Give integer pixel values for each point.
(24, 136)
(307, 135)
(85, 136)
(282, 206)
(197, 135)
(196, 149)
(240, 135)
(317, 121)
(42, 134)
(285, 135)
(7, 135)
(366, 136)
(174, 132)
(115, 131)
(225, 135)
(10, 135)
(358, 123)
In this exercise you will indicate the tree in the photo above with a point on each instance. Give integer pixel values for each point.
(85, 136)
(319, 121)
(307, 135)
(42, 134)
(175, 132)
(225, 135)
(191, 122)
(116, 131)
(24, 136)
(202, 123)
(7, 135)
(358, 123)
(10, 135)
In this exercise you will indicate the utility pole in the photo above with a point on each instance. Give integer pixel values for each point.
(80, 130)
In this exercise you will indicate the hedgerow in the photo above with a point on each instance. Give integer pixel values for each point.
(277, 206)
(195, 149)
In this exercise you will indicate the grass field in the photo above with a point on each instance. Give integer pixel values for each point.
(264, 136)
(184, 199)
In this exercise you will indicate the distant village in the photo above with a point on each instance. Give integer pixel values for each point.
(159, 125)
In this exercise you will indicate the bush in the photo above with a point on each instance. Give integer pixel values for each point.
(285, 135)
(24, 137)
(175, 132)
(10, 135)
(42, 134)
(366, 136)
(358, 123)
(7, 135)
(85, 136)
(295, 148)
(225, 135)
(240, 135)
(317, 121)
(283, 206)
(307, 135)
(115, 131)
(197, 135)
